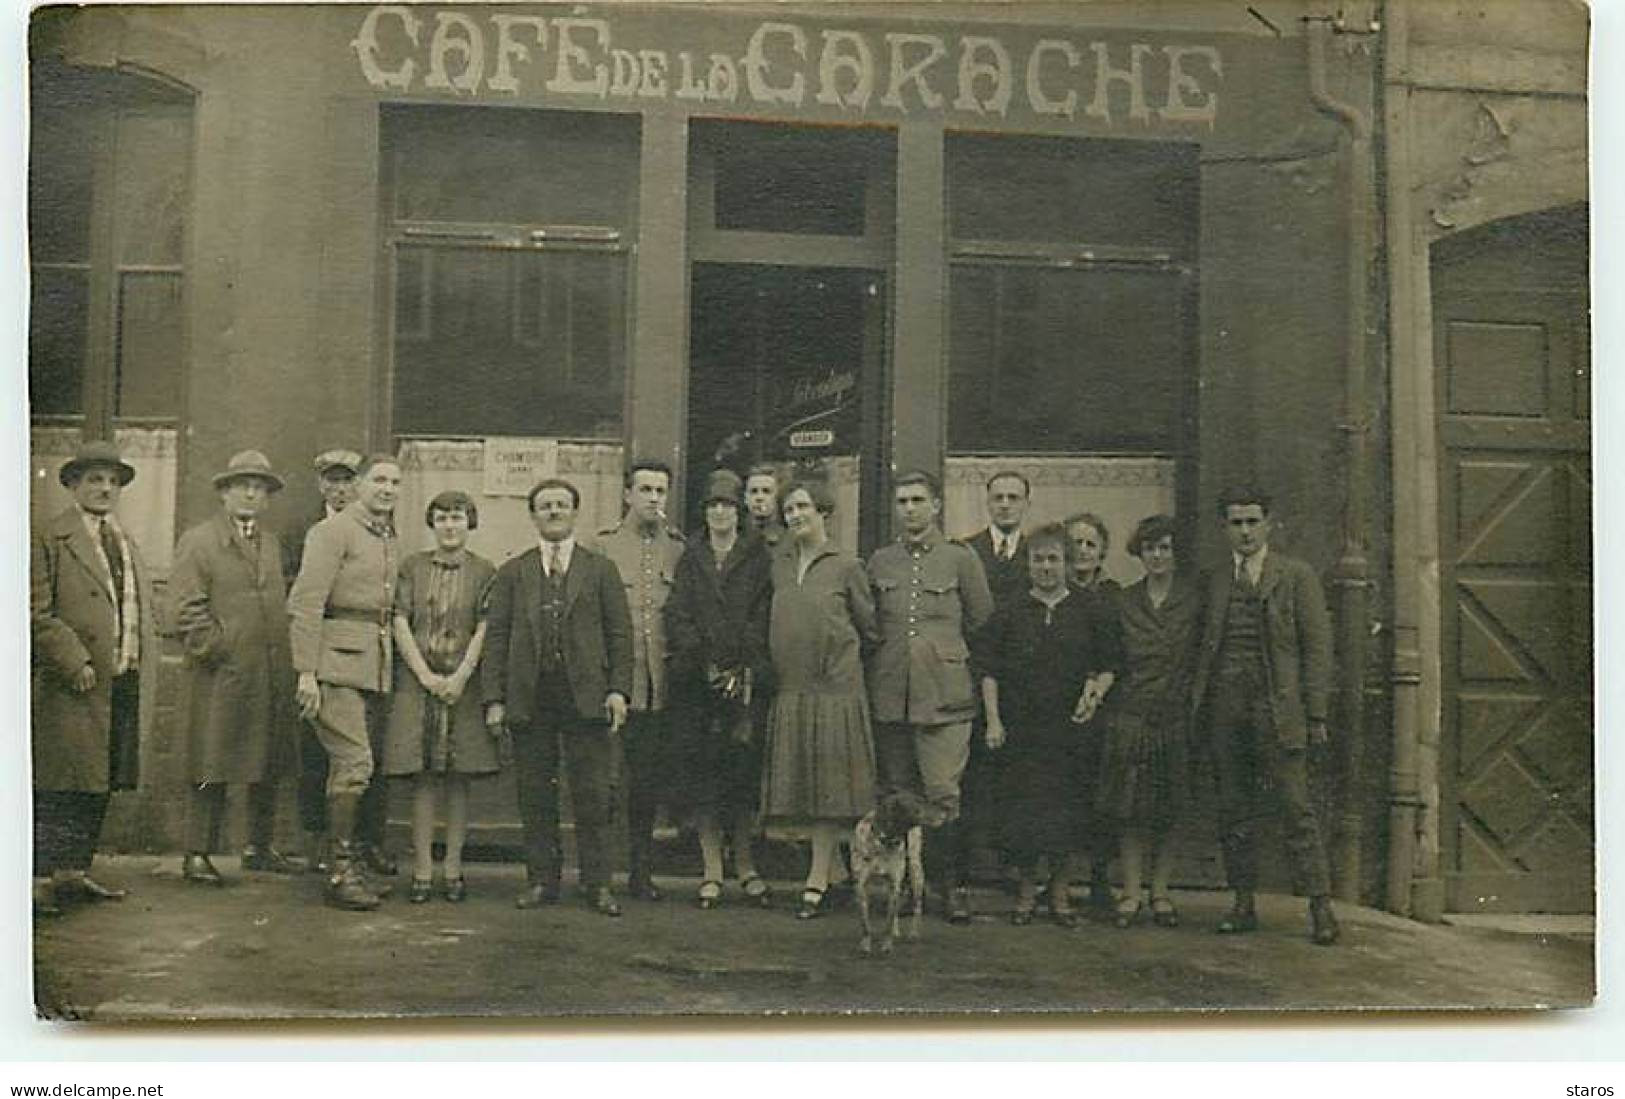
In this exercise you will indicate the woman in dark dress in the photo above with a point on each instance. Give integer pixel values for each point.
(1047, 661)
(1090, 538)
(1144, 779)
(716, 634)
(437, 733)
(818, 770)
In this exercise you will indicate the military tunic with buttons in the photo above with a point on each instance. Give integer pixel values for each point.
(648, 565)
(930, 597)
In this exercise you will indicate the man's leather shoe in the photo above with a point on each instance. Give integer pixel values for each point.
(603, 902)
(643, 888)
(959, 905)
(536, 896)
(90, 889)
(268, 860)
(198, 870)
(1322, 921)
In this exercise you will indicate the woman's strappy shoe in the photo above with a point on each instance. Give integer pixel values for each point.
(1128, 913)
(756, 890)
(1163, 912)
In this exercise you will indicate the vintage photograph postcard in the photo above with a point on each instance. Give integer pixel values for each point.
(816, 508)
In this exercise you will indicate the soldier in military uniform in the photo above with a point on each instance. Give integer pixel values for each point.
(335, 480)
(645, 550)
(931, 596)
(340, 609)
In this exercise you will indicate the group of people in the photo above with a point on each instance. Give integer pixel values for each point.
(747, 674)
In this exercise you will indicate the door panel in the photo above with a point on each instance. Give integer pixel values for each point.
(1512, 354)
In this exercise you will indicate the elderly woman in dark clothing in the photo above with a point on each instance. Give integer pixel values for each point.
(1047, 659)
(1144, 773)
(1089, 538)
(437, 733)
(716, 645)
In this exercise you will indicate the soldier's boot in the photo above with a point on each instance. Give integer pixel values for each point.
(346, 885)
(1242, 917)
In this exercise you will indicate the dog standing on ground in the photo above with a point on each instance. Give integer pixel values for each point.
(886, 844)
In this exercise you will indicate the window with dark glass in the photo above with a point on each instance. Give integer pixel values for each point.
(1072, 295)
(109, 187)
(509, 232)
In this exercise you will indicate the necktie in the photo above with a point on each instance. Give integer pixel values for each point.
(552, 559)
(246, 526)
(115, 560)
(1006, 548)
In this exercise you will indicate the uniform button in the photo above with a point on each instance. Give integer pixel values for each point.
(914, 633)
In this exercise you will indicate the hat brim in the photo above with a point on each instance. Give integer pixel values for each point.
(76, 468)
(221, 480)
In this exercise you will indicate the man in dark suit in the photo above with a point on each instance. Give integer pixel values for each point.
(95, 661)
(1002, 548)
(557, 676)
(1262, 685)
(1000, 544)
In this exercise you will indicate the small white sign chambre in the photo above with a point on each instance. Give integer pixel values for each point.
(513, 466)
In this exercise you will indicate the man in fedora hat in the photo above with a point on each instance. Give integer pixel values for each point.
(336, 471)
(231, 611)
(93, 643)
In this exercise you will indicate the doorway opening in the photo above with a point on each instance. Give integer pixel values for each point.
(787, 366)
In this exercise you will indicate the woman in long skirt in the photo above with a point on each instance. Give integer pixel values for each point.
(1048, 659)
(818, 771)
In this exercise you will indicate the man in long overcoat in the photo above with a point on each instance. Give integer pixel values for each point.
(231, 611)
(93, 676)
(1261, 692)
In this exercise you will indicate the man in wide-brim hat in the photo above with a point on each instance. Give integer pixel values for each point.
(94, 663)
(231, 612)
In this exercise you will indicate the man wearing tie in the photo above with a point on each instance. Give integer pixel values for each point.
(231, 610)
(1262, 684)
(1000, 544)
(94, 657)
(1002, 549)
(556, 676)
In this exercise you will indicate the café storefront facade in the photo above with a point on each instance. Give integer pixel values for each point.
(1130, 250)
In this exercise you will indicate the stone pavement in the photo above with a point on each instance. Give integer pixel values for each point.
(265, 947)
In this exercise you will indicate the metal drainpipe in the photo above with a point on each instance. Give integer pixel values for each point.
(1405, 802)
(1351, 577)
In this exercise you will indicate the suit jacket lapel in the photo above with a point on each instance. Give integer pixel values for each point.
(1268, 576)
(574, 577)
(530, 589)
(84, 551)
